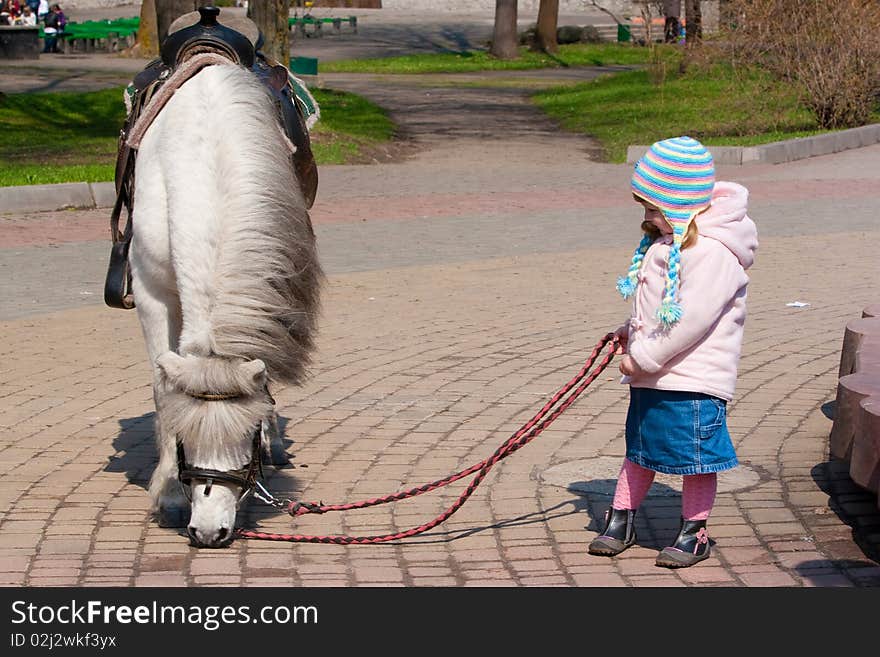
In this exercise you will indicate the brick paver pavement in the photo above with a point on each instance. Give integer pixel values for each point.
(465, 286)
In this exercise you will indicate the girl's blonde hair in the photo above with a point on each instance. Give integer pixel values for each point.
(690, 235)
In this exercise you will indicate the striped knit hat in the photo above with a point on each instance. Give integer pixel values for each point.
(676, 176)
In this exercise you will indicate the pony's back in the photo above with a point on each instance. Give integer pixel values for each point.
(235, 227)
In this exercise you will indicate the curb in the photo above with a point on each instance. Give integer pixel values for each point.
(779, 152)
(45, 198)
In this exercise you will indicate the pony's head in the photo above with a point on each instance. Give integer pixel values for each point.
(214, 406)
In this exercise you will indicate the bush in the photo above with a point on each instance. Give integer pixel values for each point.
(528, 36)
(569, 34)
(590, 34)
(828, 48)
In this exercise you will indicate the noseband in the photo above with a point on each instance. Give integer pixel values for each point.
(245, 477)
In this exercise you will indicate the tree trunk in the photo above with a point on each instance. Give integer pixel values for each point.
(548, 19)
(693, 16)
(168, 10)
(271, 17)
(505, 44)
(148, 34)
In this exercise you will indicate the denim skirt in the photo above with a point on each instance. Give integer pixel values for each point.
(677, 432)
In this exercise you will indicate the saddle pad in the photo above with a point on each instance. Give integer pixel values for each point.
(308, 105)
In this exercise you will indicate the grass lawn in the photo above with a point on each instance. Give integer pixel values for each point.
(350, 127)
(714, 106)
(576, 54)
(71, 137)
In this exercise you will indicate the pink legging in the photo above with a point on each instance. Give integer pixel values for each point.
(697, 496)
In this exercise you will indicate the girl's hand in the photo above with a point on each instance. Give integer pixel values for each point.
(622, 336)
(629, 366)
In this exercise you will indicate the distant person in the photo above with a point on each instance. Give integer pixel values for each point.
(672, 20)
(682, 343)
(27, 18)
(42, 10)
(53, 24)
(62, 18)
(12, 10)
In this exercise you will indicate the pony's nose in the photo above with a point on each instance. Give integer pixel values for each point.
(210, 538)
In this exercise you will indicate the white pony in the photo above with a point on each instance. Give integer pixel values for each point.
(226, 281)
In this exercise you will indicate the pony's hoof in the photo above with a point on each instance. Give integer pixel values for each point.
(173, 516)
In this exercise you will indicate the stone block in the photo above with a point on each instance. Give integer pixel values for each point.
(855, 333)
(864, 467)
(871, 311)
(851, 390)
(868, 355)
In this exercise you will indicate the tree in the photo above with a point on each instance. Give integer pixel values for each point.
(548, 18)
(693, 16)
(271, 16)
(148, 34)
(168, 10)
(505, 44)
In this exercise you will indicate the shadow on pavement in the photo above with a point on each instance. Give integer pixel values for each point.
(537, 517)
(138, 448)
(817, 571)
(855, 506)
(657, 523)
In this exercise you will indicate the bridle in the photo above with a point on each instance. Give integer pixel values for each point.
(246, 478)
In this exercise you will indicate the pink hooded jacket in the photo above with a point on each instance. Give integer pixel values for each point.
(701, 352)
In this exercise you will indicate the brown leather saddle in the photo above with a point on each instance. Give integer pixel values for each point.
(207, 35)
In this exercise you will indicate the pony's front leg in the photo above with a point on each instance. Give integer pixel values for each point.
(273, 446)
(170, 505)
(158, 313)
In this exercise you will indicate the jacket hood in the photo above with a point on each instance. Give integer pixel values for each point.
(727, 222)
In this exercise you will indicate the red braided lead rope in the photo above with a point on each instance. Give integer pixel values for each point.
(520, 438)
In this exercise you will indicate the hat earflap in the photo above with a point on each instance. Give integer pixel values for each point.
(626, 285)
(670, 311)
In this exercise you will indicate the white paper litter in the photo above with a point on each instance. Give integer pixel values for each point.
(797, 304)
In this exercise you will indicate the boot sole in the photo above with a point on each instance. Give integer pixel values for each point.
(603, 549)
(683, 560)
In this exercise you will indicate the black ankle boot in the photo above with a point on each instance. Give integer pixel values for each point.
(691, 546)
(619, 533)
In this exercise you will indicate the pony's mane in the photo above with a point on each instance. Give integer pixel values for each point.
(258, 282)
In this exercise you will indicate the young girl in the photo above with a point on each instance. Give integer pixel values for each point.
(682, 344)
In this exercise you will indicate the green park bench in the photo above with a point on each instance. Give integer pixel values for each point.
(105, 35)
(300, 23)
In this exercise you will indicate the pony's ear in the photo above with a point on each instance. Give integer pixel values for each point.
(254, 370)
(170, 365)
